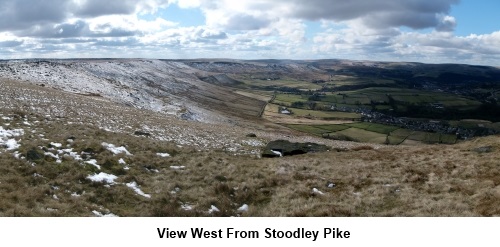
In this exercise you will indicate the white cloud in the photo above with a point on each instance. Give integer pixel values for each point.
(188, 3)
(438, 47)
(356, 29)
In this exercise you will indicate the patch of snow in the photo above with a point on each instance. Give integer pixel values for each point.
(253, 143)
(74, 194)
(56, 145)
(52, 155)
(175, 191)
(243, 208)
(12, 144)
(277, 153)
(213, 209)
(94, 163)
(116, 150)
(186, 207)
(6, 139)
(17, 155)
(133, 185)
(177, 167)
(103, 177)
(99, 214)
(163, 155)
(121, 161)
(316, 191)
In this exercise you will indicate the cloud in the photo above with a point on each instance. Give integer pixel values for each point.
(447, 24)
(94, 8)
(11, 43)
(436, 47)
(355, 29)
(20, 14)
(378, 14)
(78, 28)
(246, 22)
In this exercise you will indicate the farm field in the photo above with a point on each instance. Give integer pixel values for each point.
(285, 82)
(373, 133)
(259, 95)
(325, 115)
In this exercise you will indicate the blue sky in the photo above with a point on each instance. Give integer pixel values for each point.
(477, 16)
(432, 31)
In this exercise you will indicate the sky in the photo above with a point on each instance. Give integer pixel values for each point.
(430, 31)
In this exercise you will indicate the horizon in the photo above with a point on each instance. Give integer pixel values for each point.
(421, 31)
(237, 59)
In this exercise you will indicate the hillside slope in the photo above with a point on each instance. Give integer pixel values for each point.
(162, 86)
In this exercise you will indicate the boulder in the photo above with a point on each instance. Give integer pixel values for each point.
(33, 154)
(142, 133)
(280, 148)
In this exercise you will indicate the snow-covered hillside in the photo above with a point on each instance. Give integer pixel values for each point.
(161, 86)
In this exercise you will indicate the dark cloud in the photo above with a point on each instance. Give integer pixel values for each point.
(94, 8)
(412, 20)
(246, 22)
(18, 15)
(21, 14)
(379, 45)
(73, 30)
(416, 14)
(9, 44)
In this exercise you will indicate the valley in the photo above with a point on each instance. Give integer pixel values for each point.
(138, 137)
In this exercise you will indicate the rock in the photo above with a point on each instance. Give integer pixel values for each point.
(280, 148)
(141, 133)
(330, 185)
(485, 149)
(189, 116)
(34, 154)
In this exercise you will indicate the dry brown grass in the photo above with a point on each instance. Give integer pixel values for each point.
(428, 180)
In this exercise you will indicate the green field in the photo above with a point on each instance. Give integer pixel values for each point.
(312, 129)
(377, 98)
(373, 133)
(361, 135)
(324, 114)
(284, 82)
(348, 94)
